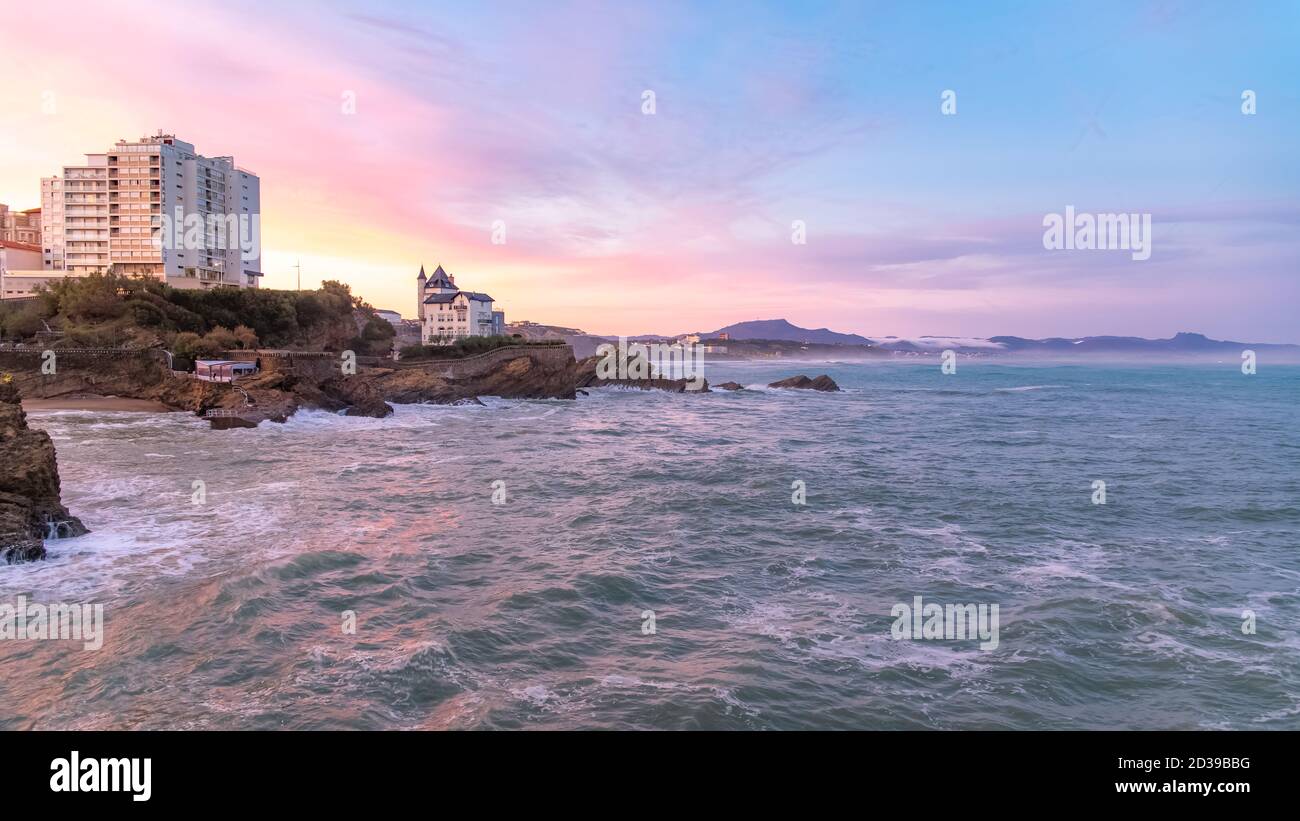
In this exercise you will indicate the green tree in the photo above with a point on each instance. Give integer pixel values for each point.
(222, 338)
(91, 298)
(246, 337)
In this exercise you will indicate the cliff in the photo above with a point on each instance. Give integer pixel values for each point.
(586, 378)
(514, 373)
(30, 507)
(292, 381)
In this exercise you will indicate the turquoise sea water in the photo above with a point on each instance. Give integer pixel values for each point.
(968, 488)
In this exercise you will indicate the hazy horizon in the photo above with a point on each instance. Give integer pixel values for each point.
(922, 335)
(916, 222)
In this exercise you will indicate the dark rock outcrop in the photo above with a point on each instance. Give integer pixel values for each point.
(801, 382)
(670, 385)
(526, 375)
(361, 396)
(587, 378)
(30, 507)
(265, 397)
(730, 386)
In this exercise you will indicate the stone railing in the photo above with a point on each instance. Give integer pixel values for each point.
(26, 355)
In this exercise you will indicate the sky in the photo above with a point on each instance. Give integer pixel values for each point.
(391, 135)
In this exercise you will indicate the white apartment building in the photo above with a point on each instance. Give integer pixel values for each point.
(447, 313)
(155, 207)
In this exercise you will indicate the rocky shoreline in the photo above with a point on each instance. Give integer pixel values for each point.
(30, 506)
(316, 381)
(276, 394)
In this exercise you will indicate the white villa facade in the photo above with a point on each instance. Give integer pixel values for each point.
(447, 313)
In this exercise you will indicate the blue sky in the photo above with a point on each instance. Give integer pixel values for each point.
(766, 113)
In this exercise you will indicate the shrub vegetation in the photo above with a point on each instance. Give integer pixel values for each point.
(460, 348)
(114, 310)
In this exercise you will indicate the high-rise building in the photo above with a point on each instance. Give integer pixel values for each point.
(155, 207)
(20, 226)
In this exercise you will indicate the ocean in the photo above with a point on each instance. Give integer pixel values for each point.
(638, 560)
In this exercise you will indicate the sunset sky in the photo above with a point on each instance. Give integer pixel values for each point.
(619, 221)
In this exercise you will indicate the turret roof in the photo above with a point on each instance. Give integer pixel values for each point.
(440, 280)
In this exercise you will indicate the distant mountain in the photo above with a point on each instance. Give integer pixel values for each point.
(1181, 344)
(935, 344)
(781, 330)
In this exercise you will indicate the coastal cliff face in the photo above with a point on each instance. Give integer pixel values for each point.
(133, 374)
(587, 378)
(135, 377)
(529, 375)
(30, 507)
(305, 380)
(286, 385)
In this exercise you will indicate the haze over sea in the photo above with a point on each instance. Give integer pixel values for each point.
(969, 488)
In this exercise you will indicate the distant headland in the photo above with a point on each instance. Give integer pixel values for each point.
(778, 338)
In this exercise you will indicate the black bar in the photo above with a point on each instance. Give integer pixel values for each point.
(219, 770)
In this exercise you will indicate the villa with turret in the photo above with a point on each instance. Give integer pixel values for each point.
(447, 313)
